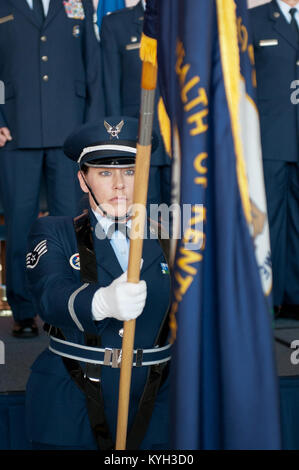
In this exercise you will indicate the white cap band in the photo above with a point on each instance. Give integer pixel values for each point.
(120, 148)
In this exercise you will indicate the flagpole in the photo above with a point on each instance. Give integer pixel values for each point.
(148, 87)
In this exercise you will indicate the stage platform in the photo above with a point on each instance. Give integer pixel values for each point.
(285, 332)
(19, 356)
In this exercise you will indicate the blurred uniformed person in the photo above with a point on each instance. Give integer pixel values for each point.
(50, 66)
(276, 43)
(120, 44)
(77, 275)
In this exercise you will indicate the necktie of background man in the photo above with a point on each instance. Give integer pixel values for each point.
(38, 8)
(294, 23)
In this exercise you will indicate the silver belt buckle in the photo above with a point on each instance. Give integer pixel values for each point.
(116, 358)
(112, 357)
(107, 357)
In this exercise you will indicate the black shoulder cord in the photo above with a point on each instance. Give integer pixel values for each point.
(91, 389)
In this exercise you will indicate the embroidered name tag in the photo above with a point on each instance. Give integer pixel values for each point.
(131, 47)
(34, 256)
(4, 19)
(268, 42)
(74, 9)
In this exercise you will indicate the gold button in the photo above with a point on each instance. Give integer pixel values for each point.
(43, 38)
(45, 58)
(45, 78)
(297, 63)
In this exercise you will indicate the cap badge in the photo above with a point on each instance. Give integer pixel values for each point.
(114, 130)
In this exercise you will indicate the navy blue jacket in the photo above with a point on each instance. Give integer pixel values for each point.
(52, 75)
(120, 44)
(56, 409)
(277, 66)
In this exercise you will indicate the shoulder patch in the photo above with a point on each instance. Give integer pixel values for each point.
(34, 256)
(75, 261)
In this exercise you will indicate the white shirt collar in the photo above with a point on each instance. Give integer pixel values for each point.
(143, 4)
(105, 222)
(285, 8)
(46, 4)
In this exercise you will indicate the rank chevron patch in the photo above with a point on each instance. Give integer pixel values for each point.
(33, 257)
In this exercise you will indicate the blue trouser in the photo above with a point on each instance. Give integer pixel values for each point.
(21, 173)
(282, 191)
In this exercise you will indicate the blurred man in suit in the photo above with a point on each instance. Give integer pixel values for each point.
(120, 44)
(50, 65)
(276, 42)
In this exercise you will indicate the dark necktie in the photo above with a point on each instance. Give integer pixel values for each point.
(294, 23)
(38, 9)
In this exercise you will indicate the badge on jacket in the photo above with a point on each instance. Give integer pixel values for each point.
(74, 9)
(76, 31)
(164, 268)
(132, 47)
(268, 42)
(34, 256)
(75, 261)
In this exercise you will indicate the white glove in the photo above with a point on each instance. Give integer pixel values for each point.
(121, 300)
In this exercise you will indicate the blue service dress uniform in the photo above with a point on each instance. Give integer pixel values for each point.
(55, 406)
(52, 77)
(277, 65)
(120, 44)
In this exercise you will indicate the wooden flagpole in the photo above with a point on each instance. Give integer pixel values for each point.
(148, 86)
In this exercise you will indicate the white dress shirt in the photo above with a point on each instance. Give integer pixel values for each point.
(285, 8)
(46, 4)
(119, 242)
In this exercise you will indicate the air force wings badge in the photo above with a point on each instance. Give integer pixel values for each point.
(114, 130)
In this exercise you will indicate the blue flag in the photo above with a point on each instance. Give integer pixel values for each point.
(108, 6)
(224, 381)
